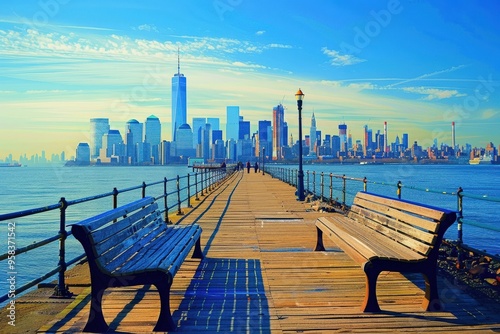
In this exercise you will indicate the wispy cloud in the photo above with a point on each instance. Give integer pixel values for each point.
(426, 76)
(434, 93)
(146, 27)
(260, 32)
(489, 114)
(338, 59)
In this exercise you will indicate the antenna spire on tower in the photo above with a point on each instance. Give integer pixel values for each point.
(178, 61)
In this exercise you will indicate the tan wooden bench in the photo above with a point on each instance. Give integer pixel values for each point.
(132, 245)
(387, 234)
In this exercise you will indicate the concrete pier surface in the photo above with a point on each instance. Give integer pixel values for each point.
(260, 275)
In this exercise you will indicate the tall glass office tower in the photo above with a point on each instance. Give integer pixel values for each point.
(278, 129)
(232, 122)
(179, 102)
(98, 128)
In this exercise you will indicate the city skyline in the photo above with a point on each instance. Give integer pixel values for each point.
(64, 62)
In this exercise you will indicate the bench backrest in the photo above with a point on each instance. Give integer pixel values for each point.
(416, 226)
(112, 237)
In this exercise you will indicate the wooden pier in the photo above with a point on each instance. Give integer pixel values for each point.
(261, 275)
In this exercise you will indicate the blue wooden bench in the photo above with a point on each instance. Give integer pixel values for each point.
(387, 234)
(132, 245)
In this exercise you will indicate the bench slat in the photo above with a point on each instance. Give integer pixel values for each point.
(416, 208)
(134, 229)
(110, 228)
(394, 224)
(124, 251)
(164, 252)
(394, 235)
(372, 243)
(411, 219)
(95, 222)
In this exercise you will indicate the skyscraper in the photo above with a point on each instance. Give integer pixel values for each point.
(198, 125)
(133, 135)
(98, 128)
(343, 137)
(386, 147)
(278, 131)
(232, 122)
(153, 136)
(179, 103)
(312, 136)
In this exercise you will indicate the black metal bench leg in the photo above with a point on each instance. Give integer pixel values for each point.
(431, 299)
(197, 253)
(319, 243)
(165, 321)
(370, 303)
(96, 322)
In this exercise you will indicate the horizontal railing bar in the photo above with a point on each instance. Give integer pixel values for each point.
(29, 212)
(32, 246)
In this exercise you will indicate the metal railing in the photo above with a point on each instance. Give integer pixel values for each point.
(339, 191)
(176, 193)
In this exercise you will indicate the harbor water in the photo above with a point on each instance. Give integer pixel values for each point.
(32, 187)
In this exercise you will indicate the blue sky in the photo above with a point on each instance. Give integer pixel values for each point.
(419, 65)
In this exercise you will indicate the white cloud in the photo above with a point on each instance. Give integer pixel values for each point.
(489, 114)
(434, 93)
(338, 59)
(260, 32)
(147, 27)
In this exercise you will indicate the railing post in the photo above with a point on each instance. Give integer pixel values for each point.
(322, 186)
(202, 186)
(196, 185)
(365, 183)
(165, 194)
(115, 198)
(61, 290)
(143, 189)
(307, 182)
(314, 183)
(343, 189)
(189, 192)
(460, 196)
(331, 187)
(398, 192)
(179, 212)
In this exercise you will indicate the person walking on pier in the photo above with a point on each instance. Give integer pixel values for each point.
(256, 167)
(248, 166)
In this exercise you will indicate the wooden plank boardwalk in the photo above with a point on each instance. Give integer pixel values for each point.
(260, 275)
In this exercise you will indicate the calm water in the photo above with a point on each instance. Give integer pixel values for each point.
(24, 188)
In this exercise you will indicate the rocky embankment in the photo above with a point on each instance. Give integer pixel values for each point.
(479, 274)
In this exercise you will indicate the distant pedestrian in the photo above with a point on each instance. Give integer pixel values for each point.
(256, 167)
(248, 166)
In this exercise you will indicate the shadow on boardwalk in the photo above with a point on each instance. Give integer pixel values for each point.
(225, 295)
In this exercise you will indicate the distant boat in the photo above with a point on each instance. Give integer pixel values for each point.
(9, 164)
(484, 160)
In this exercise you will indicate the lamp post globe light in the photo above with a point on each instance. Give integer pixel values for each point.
(300, 176)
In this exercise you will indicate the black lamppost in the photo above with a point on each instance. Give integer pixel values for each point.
(300, 177)
(263, 160)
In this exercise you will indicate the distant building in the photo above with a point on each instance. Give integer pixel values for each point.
(184, 142)
(133, 137)
(179, 100)
(312, 136)
(232, 122)
(83, 154)
(112, 144)
(198, 125)
(343, 138)
(98, 128)
(279, 136)
(153, 137)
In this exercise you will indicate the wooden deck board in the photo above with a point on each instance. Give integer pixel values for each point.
(261, 276)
